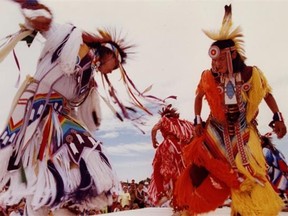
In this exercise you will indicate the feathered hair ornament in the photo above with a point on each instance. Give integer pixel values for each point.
(169, 112)
(115, 43)
(227, 32)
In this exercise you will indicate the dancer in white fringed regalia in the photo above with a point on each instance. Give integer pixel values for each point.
(48, 155)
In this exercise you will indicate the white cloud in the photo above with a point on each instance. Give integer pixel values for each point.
(110, 135)
(129, 150)
(134, 164)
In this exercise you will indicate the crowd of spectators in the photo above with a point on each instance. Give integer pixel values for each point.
(132, 196)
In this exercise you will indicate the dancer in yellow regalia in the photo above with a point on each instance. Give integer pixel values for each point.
(226, 159)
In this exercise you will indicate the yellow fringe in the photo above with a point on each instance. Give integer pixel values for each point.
(259, 201)
(253, 198)
(259, 88)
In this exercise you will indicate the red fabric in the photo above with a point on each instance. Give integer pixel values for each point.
(213, 190)
(207, 197)
(167, 165)
(168, 161)
(198, 154)
(157, 177)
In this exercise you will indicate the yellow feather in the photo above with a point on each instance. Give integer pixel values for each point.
(227, 32)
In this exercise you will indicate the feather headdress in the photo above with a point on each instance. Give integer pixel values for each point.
(111, 40)
(117, 44)
(227, 32)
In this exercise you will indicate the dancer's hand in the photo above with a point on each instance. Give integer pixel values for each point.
(155, 143)
(280, 129)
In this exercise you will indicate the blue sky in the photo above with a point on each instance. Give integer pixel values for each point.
(171, 53)
(130, 152)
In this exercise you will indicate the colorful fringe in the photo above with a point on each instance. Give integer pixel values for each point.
(60, 162)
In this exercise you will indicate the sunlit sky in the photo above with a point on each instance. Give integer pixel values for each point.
(171, 53)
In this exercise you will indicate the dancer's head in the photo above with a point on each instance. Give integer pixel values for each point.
(110, 52)
(227, 51)
(169, 112)
(225, 57)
